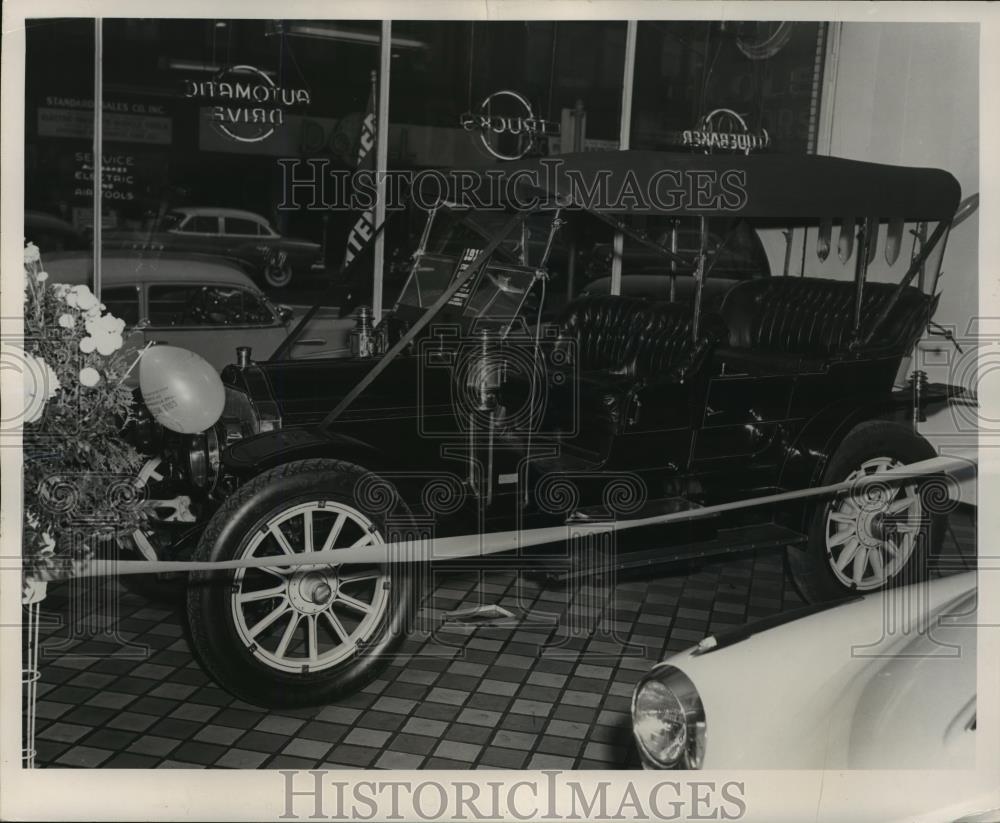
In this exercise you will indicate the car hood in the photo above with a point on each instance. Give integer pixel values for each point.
(305, 391)
(887, 681)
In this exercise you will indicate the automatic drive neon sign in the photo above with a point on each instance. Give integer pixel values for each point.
(247, 105)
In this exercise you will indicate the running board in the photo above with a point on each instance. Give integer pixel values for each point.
(653, 508)
(727, 541)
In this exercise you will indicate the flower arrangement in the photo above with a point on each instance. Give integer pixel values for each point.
(79, 472)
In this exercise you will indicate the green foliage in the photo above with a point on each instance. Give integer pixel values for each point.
(80, 484)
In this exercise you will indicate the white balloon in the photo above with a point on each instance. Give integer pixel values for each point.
(181, 389)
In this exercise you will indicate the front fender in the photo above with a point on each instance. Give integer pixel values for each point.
(269, 449)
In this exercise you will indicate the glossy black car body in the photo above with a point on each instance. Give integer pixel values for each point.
(621, 407)
(751, 402)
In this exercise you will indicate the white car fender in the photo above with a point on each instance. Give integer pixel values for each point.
(804, 695)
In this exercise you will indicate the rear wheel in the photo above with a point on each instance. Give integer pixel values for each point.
(278, 271)
(295, 635)
(870, 539)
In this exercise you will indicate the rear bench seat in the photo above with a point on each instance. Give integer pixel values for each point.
(814, 318)
(769, 324)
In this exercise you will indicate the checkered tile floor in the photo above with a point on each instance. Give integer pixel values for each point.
(128, 693)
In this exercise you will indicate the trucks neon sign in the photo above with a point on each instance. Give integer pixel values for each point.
(519, 122)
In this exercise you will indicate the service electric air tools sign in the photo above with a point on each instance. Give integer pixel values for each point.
(244, 103)
(118, 175)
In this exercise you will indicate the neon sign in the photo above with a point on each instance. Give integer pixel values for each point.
(727, 130)
(507, 113)
(250, 104)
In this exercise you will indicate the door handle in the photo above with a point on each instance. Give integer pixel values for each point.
(311, 341)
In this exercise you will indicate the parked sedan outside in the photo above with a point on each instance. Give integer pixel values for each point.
(236, 235)
(199, 303)
(51, 233)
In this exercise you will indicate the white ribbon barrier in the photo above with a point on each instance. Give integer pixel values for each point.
(481, 545)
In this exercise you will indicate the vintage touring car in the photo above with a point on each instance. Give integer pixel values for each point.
(473, 409)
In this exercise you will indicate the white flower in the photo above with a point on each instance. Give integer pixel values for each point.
(67, 321)
(32, 589)
(108, 324)
(48, 543)
(89, 376)
(31, 254)
(109, 344)
(42, 276)
(115, 325)
(87, 345)
(80, 297)
(60, 290)
(87, 302)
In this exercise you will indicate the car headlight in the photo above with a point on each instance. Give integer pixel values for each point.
(204, 459)
(668, 719)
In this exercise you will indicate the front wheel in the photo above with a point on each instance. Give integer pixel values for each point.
(166, 519)
(868, 540)
(292, 635)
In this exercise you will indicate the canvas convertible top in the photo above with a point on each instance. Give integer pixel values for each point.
(765, 186)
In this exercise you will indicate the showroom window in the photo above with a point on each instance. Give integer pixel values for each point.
(769, 73)
(179, 133)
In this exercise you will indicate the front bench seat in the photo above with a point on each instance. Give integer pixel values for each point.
(635, 338)
(814, 317)
(604, 329)
(622, 345)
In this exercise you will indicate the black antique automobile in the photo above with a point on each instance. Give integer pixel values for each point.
(466, 415)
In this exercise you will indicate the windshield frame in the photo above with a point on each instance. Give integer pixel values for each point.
(473, 270)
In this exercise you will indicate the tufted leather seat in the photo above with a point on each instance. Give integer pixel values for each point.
(631, 337)
(814, 317)
(605, 330)
(623, 343)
